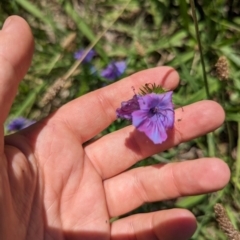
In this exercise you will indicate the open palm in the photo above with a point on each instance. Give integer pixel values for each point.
(56, 184)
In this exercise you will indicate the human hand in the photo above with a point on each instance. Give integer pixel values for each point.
(55, 186)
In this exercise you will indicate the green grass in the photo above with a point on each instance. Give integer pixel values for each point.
(146, 34)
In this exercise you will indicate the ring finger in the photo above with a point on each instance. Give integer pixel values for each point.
(164, 181)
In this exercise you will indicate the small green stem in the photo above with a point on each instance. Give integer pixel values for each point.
(238, 156)
(210, 137)
(200, 48)
(211, 145)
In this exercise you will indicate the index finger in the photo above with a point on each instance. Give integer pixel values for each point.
(95, 111)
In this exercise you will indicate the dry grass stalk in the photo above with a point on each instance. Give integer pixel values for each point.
(52, 91)
(140, 49)
(224, 223)
(61, 81)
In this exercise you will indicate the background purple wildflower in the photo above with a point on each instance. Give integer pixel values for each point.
(19, 123)
(78, 54)
(114, 70)
(155, 116)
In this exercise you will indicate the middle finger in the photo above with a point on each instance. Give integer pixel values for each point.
(117, 151)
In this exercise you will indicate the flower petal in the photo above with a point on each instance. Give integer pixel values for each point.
(166, 100)
(88, 58)
(114, 70)
(167, 118)
(19, 123)
(127, 108)
(152, 126)
(121, 67)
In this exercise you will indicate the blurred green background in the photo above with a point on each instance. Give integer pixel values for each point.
(145, 34)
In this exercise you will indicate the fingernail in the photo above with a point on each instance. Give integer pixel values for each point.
(7, 22)
(171, 79)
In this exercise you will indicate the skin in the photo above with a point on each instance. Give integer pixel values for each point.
(54, 185)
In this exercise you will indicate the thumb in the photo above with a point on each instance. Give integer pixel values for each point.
(16, 50)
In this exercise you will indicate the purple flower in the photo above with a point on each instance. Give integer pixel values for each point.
(127, 108)
(88, 58)
(114, 70)
(155, 116)
(151, 113)
(19, 123)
